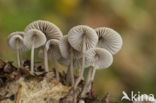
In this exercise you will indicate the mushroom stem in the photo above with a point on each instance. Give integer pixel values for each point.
(85, 88)
(83, 64)
(45, 59)
(32, 58)
(71, 67)
(91, 78)
(18, 57)
(93, 73)
(56, 68)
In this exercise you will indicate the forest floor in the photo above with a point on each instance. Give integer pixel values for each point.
(20, 86)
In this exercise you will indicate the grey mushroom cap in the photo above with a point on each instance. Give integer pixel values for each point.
(16, 38)
(99, 58)
(49, 29)
(35, 36)
(109, 39)
(65, 48)
(52, 46)
(76, 35)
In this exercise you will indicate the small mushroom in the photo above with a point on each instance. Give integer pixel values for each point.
(65, 51)
(16, 42)
(50, 30)
(68, 52)
(82, 38)
(34, 39)
(109, 39)
(98, 58)
(53, 51)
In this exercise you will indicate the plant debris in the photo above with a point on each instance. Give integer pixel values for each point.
(9, 73)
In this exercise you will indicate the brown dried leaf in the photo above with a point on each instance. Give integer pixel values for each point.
(9, 68)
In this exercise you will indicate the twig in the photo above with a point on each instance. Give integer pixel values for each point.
(19, 94)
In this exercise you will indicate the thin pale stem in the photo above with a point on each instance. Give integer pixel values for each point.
(83, 64)
(91, 78)
(93, 74)
(71, 67)
(56, 68)
(18, 57)
(85, 89)
(32, 58)
(45, 59)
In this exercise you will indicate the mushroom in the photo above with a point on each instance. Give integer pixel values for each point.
(34, 39)
(109, 39)
(53, 51)
(98, 58)
(50, 30)
(68, 52)
(82, 38)
(16, 42)
(52, 47)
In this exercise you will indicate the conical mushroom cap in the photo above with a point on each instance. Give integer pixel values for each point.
(65, 48)
(16, 38)
(99, 58)
(52, 46)
(35, 36)
(49, 29)
(76, 35)
(109, 39)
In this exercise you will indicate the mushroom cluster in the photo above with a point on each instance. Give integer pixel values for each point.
(82, 47)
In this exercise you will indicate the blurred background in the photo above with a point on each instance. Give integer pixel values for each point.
(134, 67)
